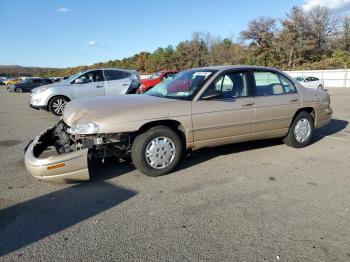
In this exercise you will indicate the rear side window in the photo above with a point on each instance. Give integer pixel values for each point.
(115, 75)
(269, 84)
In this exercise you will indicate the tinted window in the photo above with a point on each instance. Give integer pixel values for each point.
(92, 76)
(268, 84)
(114, 75)
(36, 80)
(231, 85)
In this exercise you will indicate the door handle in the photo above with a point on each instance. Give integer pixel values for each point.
(248, 104)
(99, 86)
(294, 100)
(125, 84)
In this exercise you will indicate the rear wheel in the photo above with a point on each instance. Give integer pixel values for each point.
(19, 90)
(157, 151)
(301, 131)
(57, 105)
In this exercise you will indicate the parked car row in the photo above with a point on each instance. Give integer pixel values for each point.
(90, 83)
(28, 84)
(196, 108)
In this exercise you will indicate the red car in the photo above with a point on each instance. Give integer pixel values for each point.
(155, 79)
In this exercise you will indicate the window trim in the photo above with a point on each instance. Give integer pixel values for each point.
(278, 74)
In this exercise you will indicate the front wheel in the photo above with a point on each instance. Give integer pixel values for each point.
(301, 131)
(57, 105)
(157, 151)
(320, 87)
(19, 90)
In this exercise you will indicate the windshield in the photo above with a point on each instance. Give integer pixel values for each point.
(154, 76)
(183, 85)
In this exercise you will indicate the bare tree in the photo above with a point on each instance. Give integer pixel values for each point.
(260, 33)
(323, 26)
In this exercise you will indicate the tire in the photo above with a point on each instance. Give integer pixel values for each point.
(152, 141)
(301, 131)
(19, 90)
(320, 87)
(57, 105)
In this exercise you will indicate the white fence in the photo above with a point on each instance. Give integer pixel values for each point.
(331, 78)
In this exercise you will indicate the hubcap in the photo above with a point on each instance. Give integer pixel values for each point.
(302, 130)
(58, 106)
(160, 152)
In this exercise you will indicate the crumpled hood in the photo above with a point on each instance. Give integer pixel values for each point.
(109, 112)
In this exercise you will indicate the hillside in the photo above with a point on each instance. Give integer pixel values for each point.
(16, 70)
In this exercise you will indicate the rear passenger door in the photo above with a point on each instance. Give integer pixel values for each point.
(276, 102)
(117, 82)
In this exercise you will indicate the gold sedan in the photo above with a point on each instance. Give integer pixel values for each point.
(198, 108)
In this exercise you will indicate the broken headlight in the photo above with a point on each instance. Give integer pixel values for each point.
(83, 129)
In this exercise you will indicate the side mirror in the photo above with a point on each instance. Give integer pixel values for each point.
(215, 95)
(79, 81)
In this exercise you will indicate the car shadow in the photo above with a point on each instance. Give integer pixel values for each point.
(112, 168)
(334, 126)
(203, 155)
(35, 219)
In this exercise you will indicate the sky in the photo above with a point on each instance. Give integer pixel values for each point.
(62, 33)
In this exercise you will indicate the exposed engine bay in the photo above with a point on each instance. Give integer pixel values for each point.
(100, 146)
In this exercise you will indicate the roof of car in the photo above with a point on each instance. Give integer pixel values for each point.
(220, 68)
(107, 68)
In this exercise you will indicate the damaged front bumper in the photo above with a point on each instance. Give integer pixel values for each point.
(60, 168)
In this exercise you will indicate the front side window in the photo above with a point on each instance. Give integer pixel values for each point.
(183, 85)
(268, 84)
(229, 85)
(114, 75)
(92, 76)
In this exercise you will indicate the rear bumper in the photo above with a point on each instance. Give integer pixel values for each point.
(324, 117)
(65, 168)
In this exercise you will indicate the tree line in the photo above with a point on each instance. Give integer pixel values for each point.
(317, 39)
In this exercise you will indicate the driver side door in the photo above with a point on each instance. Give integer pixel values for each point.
(89, 84)
(226, 118)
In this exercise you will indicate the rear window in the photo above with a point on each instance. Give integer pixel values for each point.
(115, 75)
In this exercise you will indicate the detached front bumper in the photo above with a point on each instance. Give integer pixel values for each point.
(64, 168)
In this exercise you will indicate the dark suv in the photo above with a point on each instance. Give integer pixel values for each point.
(28, 84)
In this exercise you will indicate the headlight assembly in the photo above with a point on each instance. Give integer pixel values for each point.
(84, 129)
(44, 88)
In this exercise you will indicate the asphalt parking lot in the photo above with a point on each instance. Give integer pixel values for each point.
(253, 201)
